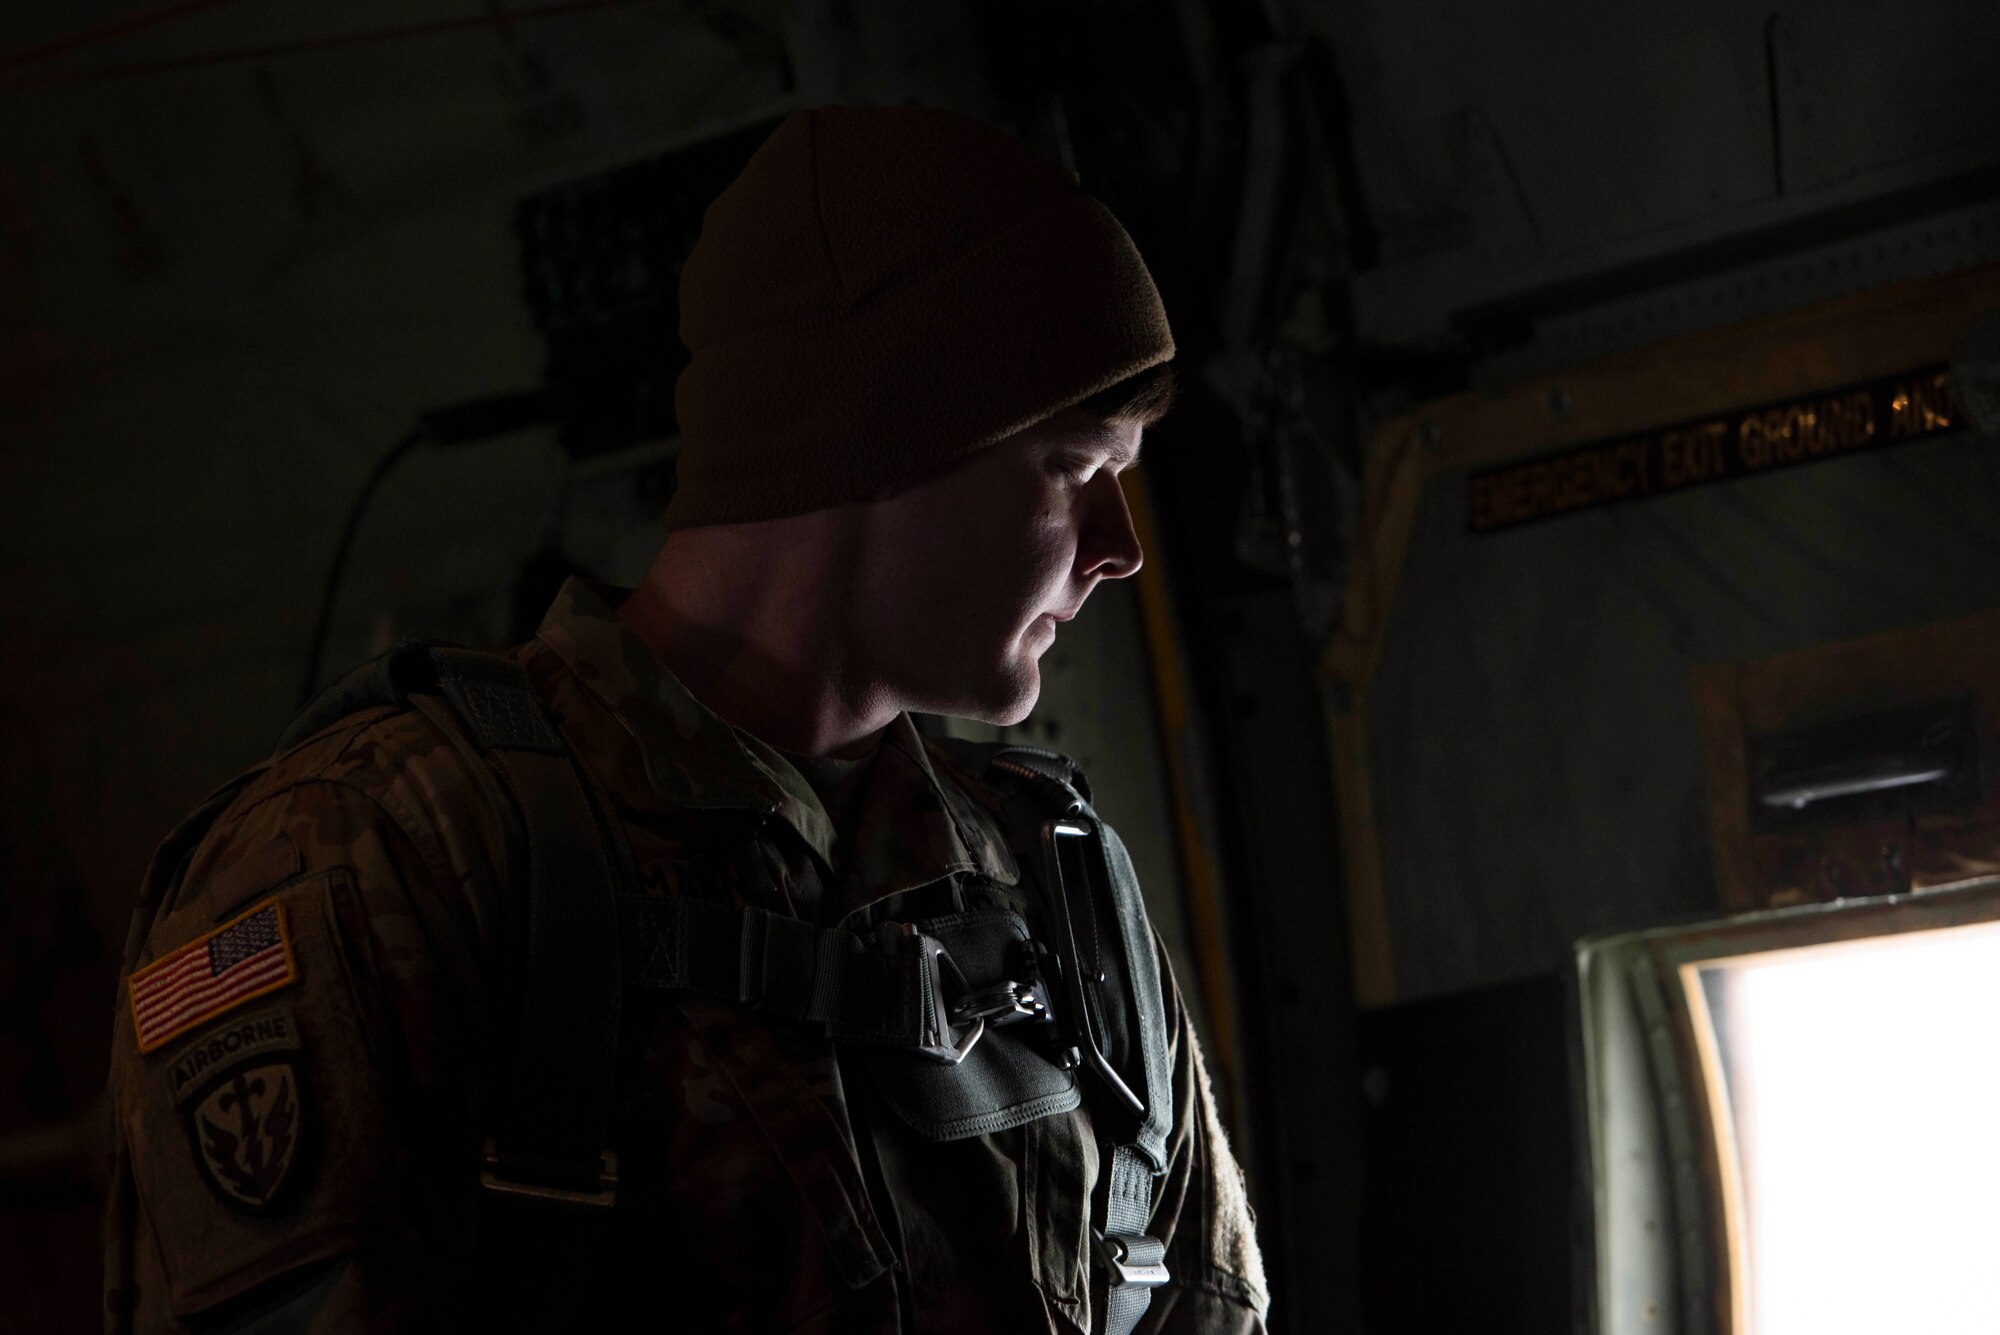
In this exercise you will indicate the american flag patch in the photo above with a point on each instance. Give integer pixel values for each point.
(245, 957)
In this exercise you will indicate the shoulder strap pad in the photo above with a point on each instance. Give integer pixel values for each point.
(1098, 892)
(386, 679)
(980, 758)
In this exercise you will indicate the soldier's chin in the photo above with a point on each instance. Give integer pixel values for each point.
(1003, 699)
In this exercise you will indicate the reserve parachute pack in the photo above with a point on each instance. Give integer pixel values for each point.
(966, 1024)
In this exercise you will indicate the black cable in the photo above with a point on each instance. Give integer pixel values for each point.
(324, 622)
(459, 424)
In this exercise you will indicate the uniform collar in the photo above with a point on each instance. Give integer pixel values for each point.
(907, 832)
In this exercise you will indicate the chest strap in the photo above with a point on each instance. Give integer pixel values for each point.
(898, 988)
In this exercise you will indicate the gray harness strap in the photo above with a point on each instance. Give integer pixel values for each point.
(1122, 1025)
(1135, 1262)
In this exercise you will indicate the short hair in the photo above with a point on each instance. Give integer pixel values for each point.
(1143, 398)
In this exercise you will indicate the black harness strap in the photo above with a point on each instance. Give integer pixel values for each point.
(549, 1140)
(503, 917)
(883, 990)
(549, 1182)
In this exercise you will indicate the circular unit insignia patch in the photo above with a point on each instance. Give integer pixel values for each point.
(247, 1125)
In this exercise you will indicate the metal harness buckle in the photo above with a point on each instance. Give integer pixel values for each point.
(1004, 1003)
(1136, 1260)
(601, 1197)
(937, 959)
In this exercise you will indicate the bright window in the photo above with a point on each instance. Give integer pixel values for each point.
(1863, 1079)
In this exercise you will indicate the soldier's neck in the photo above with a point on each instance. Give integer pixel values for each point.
(759, 644)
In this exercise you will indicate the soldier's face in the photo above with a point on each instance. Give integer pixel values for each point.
(966, 577)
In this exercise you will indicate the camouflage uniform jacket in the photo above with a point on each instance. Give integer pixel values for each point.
(298, 1095)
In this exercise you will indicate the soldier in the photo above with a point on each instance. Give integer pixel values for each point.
(659, 974)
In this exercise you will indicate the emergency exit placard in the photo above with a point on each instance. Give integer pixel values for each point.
(1748, 441)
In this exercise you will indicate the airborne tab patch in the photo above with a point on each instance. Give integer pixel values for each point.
(246, 957)
(253, 1034)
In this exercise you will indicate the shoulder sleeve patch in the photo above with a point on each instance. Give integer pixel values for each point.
(248, 956)
(261, 1142)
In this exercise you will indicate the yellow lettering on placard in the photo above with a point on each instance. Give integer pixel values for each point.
(1920, 407)
(1635, 455)
(1673, 470)
(1859, 411)
(1751, 447)
(1605, 479)
(1798, 430)
(1771, 437)
(1481, 496)
(1520, 505)
(1899, 413)
(1567, 482)
(1541, 489)
(1935, 396)
(1941, 402)
(1693, 454)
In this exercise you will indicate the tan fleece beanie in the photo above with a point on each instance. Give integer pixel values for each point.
(882, 292)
